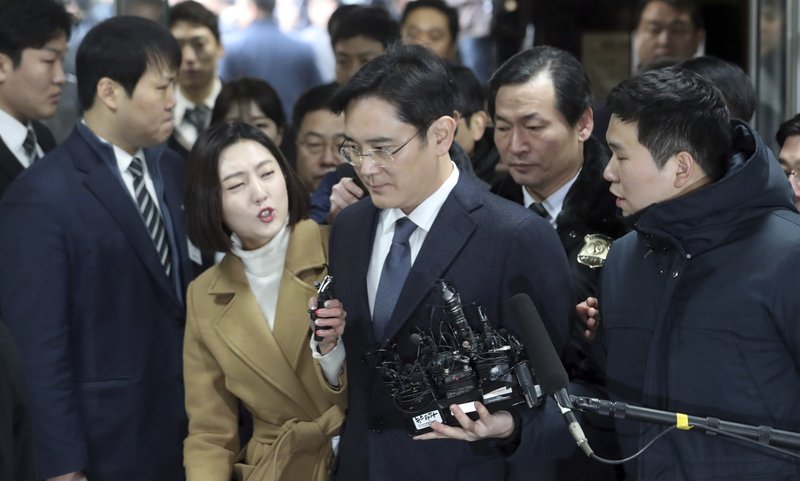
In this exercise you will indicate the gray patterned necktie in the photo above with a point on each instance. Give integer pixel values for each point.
(199, 117)
(150, 214)
(395, 270)
(29, 145)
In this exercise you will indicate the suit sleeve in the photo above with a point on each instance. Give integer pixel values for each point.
(213, 442)
(35, 305)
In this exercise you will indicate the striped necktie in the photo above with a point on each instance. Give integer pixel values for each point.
(29, 145)
(150, 214)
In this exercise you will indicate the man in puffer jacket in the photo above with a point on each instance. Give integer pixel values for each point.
(700, 309)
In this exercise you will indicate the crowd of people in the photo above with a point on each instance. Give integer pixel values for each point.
(166, 309)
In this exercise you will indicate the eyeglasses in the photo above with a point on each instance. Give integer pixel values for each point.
(316, 146)
(380, 156)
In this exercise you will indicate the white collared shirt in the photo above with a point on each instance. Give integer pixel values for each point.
(423, 216)
(186, 131)
(13, 132)
(552, 204)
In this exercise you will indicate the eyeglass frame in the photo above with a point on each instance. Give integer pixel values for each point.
(369, 153)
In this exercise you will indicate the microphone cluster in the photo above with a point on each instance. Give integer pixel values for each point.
(459, 366)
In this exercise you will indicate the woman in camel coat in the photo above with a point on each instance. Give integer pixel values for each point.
(248, 336)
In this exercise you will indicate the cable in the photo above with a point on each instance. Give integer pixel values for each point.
(639, 453)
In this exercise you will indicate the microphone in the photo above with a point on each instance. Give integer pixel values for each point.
(547, 366)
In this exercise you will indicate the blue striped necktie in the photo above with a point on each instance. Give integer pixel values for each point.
(150, 214)
(393, 276)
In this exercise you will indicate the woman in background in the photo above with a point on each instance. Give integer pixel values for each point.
(253, 101)
(247, 332)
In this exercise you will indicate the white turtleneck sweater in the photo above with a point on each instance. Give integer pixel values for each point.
(263, 268)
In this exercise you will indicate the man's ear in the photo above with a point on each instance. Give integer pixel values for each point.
(477, 124)
(686, 169)
(6, 67)
(443, 130)
(585, 124)
(108, 92)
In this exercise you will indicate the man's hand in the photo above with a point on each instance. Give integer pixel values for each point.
(344, 193)
(498, 425)
(333, 315)
(589, 311)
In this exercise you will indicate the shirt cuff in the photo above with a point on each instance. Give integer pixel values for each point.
(330, 363)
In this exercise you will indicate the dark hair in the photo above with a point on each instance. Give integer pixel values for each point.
(122, 49)
(194, 12)
(410, 77)
(688, 6)
(787, 129)
(265, 5)
(243, 91)
(573, 90)
(676, 110)
(203, 198)
(730, 80)
(316, 98)
(31, 24)
(373, 23)
(468, 93)
(445, 9)
(337, 15)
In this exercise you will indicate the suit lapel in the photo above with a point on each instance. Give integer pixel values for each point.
(242, 327)
(9, 164)
(305, 263)
(113, 195)
(361, 237)
(450, 231)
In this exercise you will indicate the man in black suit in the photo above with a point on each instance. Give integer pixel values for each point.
(95, 268)
(399, 126)
(33, 43)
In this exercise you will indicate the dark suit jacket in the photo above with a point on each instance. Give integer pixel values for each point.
(489, 249)
(98, 324)
(10, 167)
(16, 446)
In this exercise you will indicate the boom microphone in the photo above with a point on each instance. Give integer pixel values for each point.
(547, 366)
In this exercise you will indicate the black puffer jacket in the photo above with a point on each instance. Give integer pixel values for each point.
(701, 315)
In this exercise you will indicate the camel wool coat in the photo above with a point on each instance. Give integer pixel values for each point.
(231, 354)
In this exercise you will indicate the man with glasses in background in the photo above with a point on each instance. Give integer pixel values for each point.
(423, 221)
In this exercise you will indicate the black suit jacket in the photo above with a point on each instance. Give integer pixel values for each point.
(489, 249)
(10, 167)
(98, 324)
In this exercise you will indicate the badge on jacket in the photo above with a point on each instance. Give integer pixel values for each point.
(595, 250)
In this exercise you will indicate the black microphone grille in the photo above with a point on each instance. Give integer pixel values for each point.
(550, 373)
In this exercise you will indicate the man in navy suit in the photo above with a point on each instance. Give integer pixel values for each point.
(33, 43)
(95, 266)
(399, 125)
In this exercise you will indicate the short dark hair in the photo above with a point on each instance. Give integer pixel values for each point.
(194, 12)
(337, 15)
(688, 6)
(787, 129)
(31, 24)
(730, 80)
(122, 49)
(203, 198)
(676, 110)
(468, 93)
(448, 11)
(315, 98)
(243, 91)
(409, 77)
(572, 87)
(373, 23)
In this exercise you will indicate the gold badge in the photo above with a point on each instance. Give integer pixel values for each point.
(595, 250)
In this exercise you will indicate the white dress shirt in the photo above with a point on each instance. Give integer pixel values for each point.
(552, 204)
(423, 216)
(13, 132)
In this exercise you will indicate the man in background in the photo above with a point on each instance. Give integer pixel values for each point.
(666, 29)
(197, 31)
(33, 44)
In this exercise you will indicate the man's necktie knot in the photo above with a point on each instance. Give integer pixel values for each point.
(540, 210)
(199, 117)
(29, 145)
